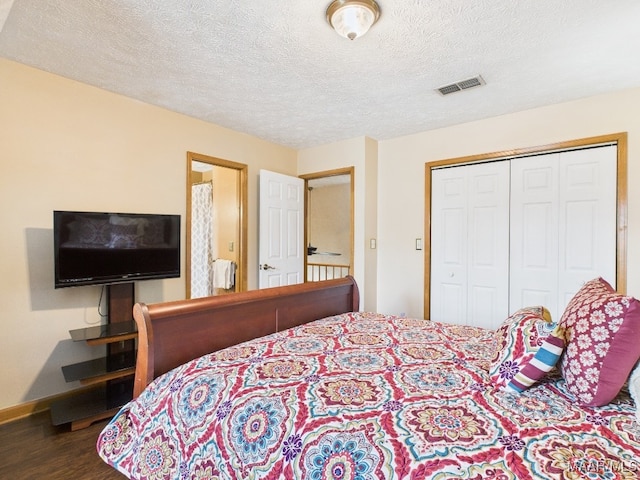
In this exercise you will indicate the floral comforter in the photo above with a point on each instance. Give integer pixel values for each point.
(364, 396)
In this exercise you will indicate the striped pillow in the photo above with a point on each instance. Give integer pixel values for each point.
(544, 360)
(518, 340)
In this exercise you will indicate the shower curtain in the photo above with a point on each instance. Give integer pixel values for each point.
(202, 254)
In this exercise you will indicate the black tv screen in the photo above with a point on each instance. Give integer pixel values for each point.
(93, 248)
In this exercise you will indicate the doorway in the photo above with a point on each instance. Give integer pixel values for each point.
(329, 213)
(216, 226)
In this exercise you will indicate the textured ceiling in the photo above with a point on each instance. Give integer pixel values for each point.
(275, 69)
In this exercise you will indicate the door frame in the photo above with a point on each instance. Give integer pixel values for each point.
(324, 174)
(242, 174)
(619, 139)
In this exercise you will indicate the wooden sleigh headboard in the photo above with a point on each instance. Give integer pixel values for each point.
(172, 333)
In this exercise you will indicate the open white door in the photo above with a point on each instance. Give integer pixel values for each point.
(281, 230)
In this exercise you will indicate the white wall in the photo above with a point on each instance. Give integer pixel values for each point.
(401, 181)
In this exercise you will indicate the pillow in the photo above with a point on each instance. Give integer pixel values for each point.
(519, 338)
(634, 389)
(544, 360)
(602, 331)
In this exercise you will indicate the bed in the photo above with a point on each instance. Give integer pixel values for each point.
(293, 382)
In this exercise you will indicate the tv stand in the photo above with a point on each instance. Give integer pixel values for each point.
(109, 379)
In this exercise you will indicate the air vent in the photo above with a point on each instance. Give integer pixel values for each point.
(462, 85)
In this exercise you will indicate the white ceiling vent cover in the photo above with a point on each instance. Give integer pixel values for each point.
(461, 85)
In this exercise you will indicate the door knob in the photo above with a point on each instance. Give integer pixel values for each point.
(267, 267)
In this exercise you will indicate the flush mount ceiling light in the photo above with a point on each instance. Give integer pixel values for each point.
(352, 18)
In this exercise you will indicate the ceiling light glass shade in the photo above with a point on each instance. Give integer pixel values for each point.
(352, 18)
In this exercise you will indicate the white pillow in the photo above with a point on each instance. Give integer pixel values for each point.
(634, 389)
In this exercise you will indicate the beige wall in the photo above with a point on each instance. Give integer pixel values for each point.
(226, 221)
(362, 154)
(401, 180)
(330, 223)
(66, 145)
(225, 201)
(370, 227)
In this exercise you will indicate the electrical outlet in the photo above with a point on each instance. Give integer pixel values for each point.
(231, 246)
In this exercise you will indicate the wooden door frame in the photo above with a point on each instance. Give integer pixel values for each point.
(329, 173)
(619, 139)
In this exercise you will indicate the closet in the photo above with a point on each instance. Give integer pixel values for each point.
(520, 231)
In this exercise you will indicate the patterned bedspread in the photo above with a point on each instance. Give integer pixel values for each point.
(365, 396)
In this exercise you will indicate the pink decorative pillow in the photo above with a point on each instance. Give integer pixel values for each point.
(519, 338)
(602, 331)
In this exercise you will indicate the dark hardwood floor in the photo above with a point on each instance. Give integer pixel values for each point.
(33, 448)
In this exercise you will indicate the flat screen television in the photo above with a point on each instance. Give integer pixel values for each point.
(93, 248)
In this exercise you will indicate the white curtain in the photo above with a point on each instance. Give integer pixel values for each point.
(202, 254)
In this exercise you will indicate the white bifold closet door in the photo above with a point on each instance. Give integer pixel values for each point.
(520, 232)
(470, 243)
(563, 225)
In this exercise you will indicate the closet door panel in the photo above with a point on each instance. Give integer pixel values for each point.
(579, 244)
(488, 243)
(486, 308)
(534, 232)
(587, 223)
(448, 246)
(469, 261)
(453, 284)
(452, 302)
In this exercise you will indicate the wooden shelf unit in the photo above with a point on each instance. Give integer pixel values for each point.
(112, 375)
